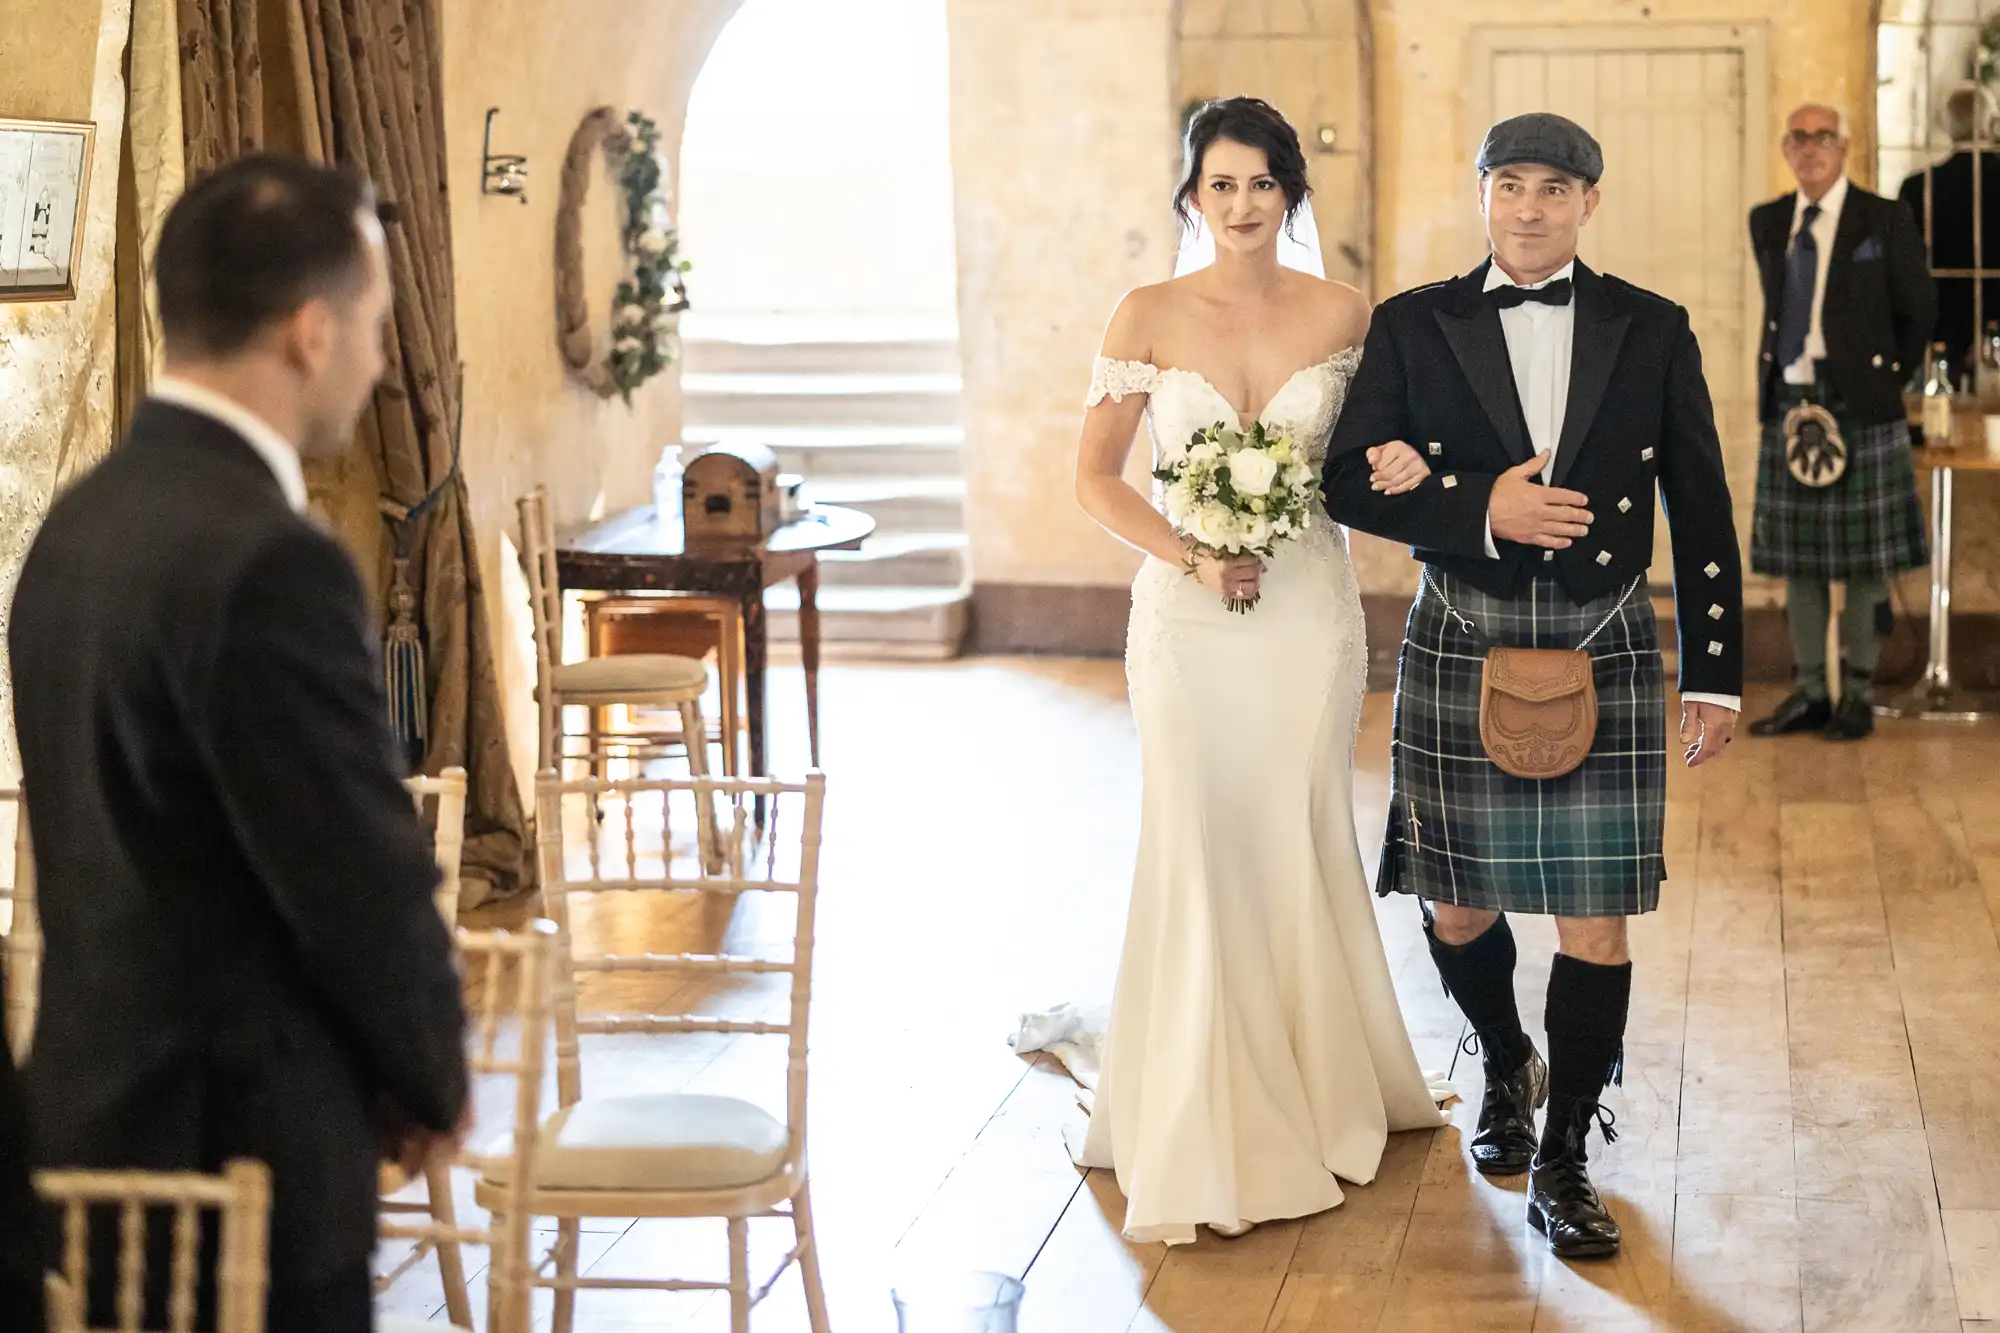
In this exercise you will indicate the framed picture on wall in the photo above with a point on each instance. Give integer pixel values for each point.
(44, 180)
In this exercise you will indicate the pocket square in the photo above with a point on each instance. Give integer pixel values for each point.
(1868, 251)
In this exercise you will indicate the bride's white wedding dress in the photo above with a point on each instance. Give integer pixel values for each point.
(1255, 1054)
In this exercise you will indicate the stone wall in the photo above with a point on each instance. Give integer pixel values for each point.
(1064, 155)
(528, 422)
(59, 60)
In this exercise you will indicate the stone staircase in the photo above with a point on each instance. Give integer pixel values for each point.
(868, 413)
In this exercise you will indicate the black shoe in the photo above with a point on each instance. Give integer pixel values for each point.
(1562, 1203)
(1505, 1143)
(1852, 719)
(1799, 712)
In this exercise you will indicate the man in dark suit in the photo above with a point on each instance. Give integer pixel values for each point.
(1951, 234)
(1550, 402)
(243, 957)
(1847, 305)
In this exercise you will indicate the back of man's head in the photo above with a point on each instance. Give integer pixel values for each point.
(249, 244)
(1961, 114)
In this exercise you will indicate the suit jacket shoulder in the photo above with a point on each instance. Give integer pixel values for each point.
(1426, 297)
(1639, 301)
(1771, 221)
(1781, 207)
(1879, 207)
(200, 511)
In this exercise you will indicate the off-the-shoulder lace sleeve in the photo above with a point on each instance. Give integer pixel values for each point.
(1114, 379)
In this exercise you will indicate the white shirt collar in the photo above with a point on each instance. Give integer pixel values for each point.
(1829, 203)
(1497, 277)
(279, 454)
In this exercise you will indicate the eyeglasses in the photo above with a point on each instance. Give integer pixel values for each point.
(1812, 139)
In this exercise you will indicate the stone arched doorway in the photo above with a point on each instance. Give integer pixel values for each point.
(816, 205)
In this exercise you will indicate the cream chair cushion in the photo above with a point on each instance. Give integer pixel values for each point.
(631, 673)
(668, 1141)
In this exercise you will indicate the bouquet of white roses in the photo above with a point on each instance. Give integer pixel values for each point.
(1239, 492)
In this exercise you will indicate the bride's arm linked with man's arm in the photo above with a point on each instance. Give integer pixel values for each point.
(1455, 513)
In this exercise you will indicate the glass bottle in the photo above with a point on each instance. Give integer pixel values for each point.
(1937, 400)
(667, 487)
(1988, 380)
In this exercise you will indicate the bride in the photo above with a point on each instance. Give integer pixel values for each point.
(1255, 1051)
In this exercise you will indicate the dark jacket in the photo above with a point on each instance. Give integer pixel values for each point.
(1435, 369)
(243, 958)
(1951, 244)
(1876, 315)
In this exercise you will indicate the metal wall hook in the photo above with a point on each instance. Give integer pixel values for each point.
(502, 173)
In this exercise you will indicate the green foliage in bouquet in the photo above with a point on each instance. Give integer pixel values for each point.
(1238, 492)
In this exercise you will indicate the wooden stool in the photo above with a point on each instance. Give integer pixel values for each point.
(685, 624)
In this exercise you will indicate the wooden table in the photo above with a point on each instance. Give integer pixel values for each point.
(636, 552)
(1937, 697)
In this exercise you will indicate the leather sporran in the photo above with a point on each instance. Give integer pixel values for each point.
(1537, 706)
(1537, 710)
(1815, 451)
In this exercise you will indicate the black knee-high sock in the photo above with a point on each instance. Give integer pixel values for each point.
(1587, 1005)
(1480, 976)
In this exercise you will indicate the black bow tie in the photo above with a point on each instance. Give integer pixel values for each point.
(1555, 293)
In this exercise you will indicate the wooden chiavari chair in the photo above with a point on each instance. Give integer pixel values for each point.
(240, 1196)
(24, 935)
(445, 797)
(512, 974)
(672, 1154)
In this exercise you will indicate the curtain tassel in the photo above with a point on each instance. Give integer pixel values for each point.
(403, 665)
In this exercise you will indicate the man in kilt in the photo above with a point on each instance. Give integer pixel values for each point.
(1550, 402)
(1848, 303)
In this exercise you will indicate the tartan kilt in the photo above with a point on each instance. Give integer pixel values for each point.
(1869, 523)
(1589, 843)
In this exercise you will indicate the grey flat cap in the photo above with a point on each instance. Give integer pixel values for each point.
(1543, 138)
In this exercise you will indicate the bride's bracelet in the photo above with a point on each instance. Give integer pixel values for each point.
(1190, 553)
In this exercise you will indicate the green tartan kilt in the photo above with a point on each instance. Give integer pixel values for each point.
(1589, 843)
(1869, 523)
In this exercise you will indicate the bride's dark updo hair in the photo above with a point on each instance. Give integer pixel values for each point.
(1254, 124)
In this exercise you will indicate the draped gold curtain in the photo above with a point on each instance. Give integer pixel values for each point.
(152, 171)
(360, 82)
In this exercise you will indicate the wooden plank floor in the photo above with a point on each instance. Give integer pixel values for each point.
(1808, 1129)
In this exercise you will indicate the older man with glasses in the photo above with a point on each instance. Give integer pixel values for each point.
(1848, 304)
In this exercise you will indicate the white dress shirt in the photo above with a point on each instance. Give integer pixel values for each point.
(1824, 226)
(1540, 338)
(279, 454)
